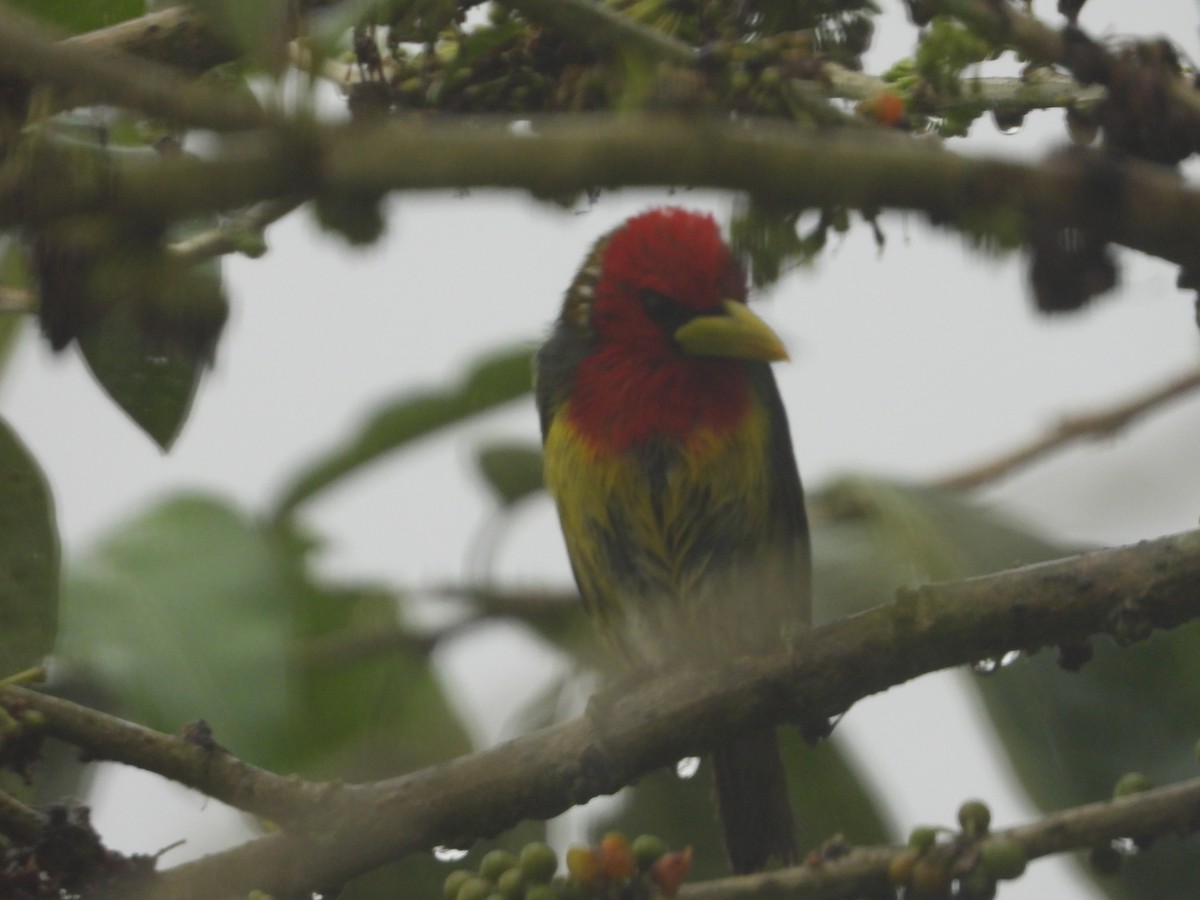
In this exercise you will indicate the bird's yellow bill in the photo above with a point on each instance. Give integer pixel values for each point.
(739, 334)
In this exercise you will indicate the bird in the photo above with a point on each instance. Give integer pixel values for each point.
(669, 457)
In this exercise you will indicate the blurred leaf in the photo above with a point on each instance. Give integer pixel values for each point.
(495, 380)
(1069, 736)
(182, 614)
(513, 470)
(155, 332)
(874, 536)
(193, 610)
(259, 27)
(369, 714)
(153, 380)
(829, 796)
(81, 15)
(146, 321)
(29, 558)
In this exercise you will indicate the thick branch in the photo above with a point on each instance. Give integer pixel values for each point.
(348, 829)
(1094, 426)
(177, 37)
(1144, 207)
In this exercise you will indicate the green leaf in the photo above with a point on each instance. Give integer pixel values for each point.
(512, 470)
(259, 27)
(29, 558)
(375, 708)
(182, 614)
(495, 380)
(153, 383)
(78, 16)
(877, 535)
(149, 355)
(194, 610)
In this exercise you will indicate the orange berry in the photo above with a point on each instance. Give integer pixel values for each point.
(616, 856)
(671, 870)
(886, 108)
(583, 864)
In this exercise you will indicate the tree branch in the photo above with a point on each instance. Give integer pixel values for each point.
(342, 830)
(605, 29)
(1144, 207)
(177, 37)
(243, 233)
(198, 765)
(1041, 43)
(1174, 809)
(87, 74)
(1103, 423)
(1040, 88)
(17, 821)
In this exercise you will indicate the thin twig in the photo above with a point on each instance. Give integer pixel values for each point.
(1097, 425)
(1039, 42)
(242, 233)
(605, 29)
(864, 870)
(18, 822)
(1041, 88)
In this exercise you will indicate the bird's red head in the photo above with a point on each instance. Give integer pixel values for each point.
(660, 314)
(659, 268)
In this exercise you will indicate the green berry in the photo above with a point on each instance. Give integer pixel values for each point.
(454, 882)
(495, 863)
(900, 868)
(1131, 783)
(977, 884)
(511, 884)
(475, 888)
(975, 818)
(922, 838)
(930, 875)
(1002, 858)
(539, 862)
(647, 848)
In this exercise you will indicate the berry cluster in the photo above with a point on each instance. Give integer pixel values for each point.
(966, 864)
(615, 869)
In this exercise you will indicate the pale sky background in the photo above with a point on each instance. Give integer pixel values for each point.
(907, 363)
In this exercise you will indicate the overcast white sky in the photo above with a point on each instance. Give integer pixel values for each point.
(909, 363)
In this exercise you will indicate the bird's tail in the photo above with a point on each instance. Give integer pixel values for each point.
(752, 799)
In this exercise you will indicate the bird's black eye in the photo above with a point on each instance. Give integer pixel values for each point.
(667, 314)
